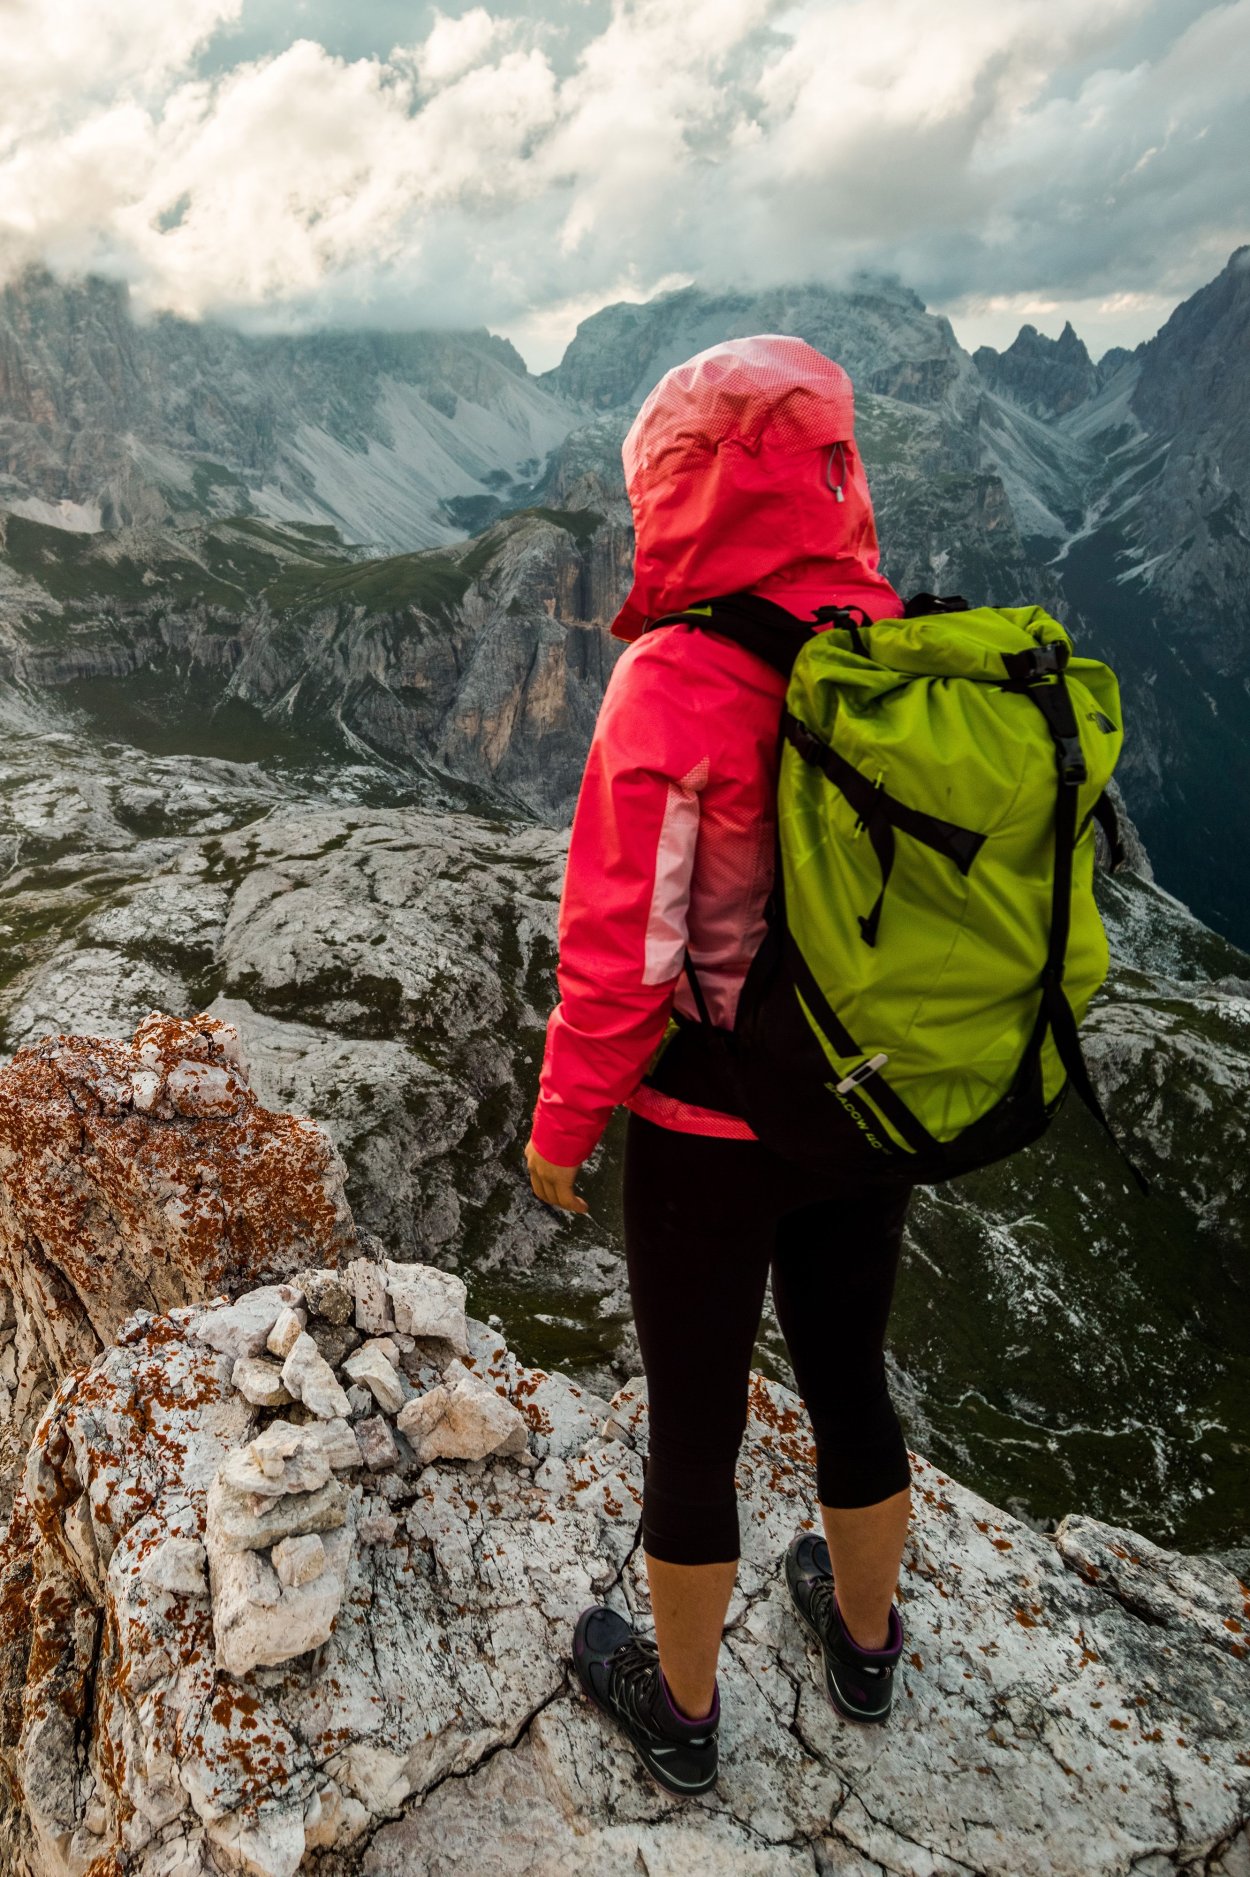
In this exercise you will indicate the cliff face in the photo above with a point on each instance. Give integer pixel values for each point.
(291, 1574)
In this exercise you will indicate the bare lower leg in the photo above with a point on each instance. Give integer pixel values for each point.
(866, 1549)
(689, 1603)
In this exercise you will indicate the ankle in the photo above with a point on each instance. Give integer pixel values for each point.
(868, 1637)
(696, 1715)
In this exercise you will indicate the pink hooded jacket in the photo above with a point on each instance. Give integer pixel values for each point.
(743, 475)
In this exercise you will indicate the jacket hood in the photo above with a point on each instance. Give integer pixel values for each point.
(734, 466)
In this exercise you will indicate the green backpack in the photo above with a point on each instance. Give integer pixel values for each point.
(933, 941)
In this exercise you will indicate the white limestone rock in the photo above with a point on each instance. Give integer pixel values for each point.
(244, 1521)
(462, 1419)
(241, 1329)
(178, 1565)
(259, 1621)
(283, 1459)
(372, 1369)
(428, 1302)
(260, 1382)
(298, 1560)
(337, 1442)
(311, 1380)
(286, 1332)
(407, 1710)
(374, 1312)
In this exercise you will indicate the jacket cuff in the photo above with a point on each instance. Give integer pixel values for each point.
(562, 1141)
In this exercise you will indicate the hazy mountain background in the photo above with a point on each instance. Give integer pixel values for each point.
(301, 644)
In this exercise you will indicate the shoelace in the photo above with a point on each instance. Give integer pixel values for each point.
(825, 1617)
(635, 1674)
(822, 1606)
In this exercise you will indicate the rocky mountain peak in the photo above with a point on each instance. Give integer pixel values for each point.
(874, 326)
(1046, 376)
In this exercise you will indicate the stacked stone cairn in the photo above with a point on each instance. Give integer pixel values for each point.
(357, 1375)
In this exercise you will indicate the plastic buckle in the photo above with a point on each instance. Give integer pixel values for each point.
(1071, 758)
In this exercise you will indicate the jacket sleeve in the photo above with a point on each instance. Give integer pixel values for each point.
(626, 892)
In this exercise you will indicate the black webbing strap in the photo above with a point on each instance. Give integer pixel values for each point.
(851, 619)
(880, 814)
(840, 1039)
(757, 624)
(696, 991)
(1104, 814)
(1039, 676)
(921, 605)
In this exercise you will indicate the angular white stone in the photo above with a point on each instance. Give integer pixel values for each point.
(298, 1560)
(389, 1346)
(258, 1622)
(338, 1443)
(463, 1419)
(286, 1332)
(259, 1382)
(373, 1304)
(284, 1459)
(243, 1521)
(179, 1565)
(428, 1302)
(145, 1087)
(240, 1329)
(203, 1088)
(311, 1380)
(370, 1367)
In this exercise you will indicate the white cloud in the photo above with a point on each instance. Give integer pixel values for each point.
(736, 141)
(455, 44)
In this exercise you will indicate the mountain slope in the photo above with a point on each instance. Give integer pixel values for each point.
(105, 422)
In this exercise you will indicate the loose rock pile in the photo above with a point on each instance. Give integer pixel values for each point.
(280, 1518)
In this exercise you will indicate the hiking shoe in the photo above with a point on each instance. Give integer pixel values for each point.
(859, 1682)
(621, 1674)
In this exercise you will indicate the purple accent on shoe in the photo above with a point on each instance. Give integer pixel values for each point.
(683, 1720)
(894, 1631)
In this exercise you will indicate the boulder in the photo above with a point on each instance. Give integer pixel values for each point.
(1069, 1707)
(140, 1176)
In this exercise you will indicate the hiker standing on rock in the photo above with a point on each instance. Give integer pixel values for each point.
(747, 488)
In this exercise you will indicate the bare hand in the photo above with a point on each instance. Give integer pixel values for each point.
(553, 1184)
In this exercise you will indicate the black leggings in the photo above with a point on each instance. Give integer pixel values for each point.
(704, 1220)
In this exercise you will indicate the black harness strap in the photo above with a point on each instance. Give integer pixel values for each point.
(1104, 814)
(880, 814)
(1039, 676)
(758, 625)
(891, 1105)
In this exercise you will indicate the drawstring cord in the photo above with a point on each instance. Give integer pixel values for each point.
(839, 486)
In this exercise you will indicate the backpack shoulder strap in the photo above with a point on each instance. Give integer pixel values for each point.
(760, 626)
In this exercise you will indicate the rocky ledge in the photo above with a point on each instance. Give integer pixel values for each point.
(291, 1573)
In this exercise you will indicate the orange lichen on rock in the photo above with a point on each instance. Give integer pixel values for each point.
(139, 1176)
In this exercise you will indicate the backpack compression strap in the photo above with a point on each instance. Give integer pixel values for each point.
(1038, 674)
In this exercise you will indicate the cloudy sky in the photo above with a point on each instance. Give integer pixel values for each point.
(287, 162)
